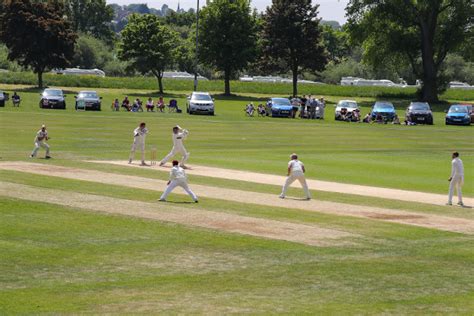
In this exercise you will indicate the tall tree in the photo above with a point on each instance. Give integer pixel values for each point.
(292, 39)
(93, 17)
(149, 45)
(420, 33)
(37, 35)
(228, 37)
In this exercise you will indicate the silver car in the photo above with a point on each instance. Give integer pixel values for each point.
(349, 105)
(200, 102)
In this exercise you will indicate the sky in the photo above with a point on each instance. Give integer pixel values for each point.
(328, 9)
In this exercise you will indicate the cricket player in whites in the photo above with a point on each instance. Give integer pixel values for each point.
(179, 135)
(456, 180)
(139, 135)
(40, 141)
(177, 178)
(296, 171)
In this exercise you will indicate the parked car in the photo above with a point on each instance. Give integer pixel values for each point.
(52, 99)
(349, 105)
(200, 102)
(88, 100)
(281, 107)
(3, 98)
(458, 115)
(384, 108)
(420, 113)
(470, 110)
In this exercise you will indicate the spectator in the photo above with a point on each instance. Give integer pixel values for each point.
(261, 110)
(356, 115)
(116, 105)
(268, 108)
(137, 106)
(150, 106)
(249, 109)
(379, 118)
(16, 99)
(367, 118)
(160, 105)
(126, 104)
(396, 120)
(322, 106)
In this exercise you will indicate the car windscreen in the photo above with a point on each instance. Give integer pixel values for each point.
(201, 97)
(87, 95)
(281, 101)
(420, 107)
(55, 93)
(383, 106)
(458, 109)
(348, 105)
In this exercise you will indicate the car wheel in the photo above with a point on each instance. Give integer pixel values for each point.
(212, 113)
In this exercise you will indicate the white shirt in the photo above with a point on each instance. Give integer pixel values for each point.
(40, 136)
(179, 137)
(457, 168)
(177, 173)
(295, 166)
(140, 132)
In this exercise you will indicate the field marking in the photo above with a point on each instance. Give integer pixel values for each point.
(299, 233)
(326, 186)
(445, 223)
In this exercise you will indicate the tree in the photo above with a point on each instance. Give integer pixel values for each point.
(91, 52)
(227, 37)
(37, 35)
(149, 45)
(292, 38)
(92, 17)
(420, 33)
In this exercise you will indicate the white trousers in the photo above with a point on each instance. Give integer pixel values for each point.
(455, 183)
(39, 144)
(138, 143)
(292, 178)
(174, 151)
(178, 183)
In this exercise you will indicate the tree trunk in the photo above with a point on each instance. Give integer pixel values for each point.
(429, 89)
(160, 82)
(295, 79)
(226, 82)
(40, 79)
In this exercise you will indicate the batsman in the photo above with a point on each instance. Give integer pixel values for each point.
(139, 135)
(179, 134)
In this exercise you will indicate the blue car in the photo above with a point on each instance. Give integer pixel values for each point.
(458, 115)
(385, 109)
(281, 107)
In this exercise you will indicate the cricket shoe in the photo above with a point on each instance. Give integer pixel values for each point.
(161, 200)
(129, 161)
(47, 157)
(449, 203)
(144, 164)
(460, 203)
(281, 196)
(162, 164)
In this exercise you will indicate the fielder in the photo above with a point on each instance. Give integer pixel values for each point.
(139, 135)
(296, 171)
(456, 180)
(177, 178)
(40, 141)
(179, 135)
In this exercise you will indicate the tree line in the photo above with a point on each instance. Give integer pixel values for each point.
(431, 40)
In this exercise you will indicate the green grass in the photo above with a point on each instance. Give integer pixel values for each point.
(63, 260)
(217, 86)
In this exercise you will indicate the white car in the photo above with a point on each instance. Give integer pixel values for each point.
(349, 105)
(200, 102)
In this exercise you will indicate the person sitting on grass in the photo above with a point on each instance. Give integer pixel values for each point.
(137, 106)
(367, 118)
(150, 106)
(356, 115)
(261, 110)
(126, 104)
(379, 118)
(16, 99)
(396, 120)
(249, 109)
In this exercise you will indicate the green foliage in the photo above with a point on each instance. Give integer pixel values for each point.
(37, 35)
(148, 45)
(5, 63)
(420, 33)
(457, 69)
(227, 35)
(91, 52)
(336, 42)
(91, 17)
(291, 38)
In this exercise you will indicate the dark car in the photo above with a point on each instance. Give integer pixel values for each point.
(385, 109)
(420, 113)
(3, 98)
(458, 115)
(470, 110)
(281, 107)
(52, 99)
(88, 100)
